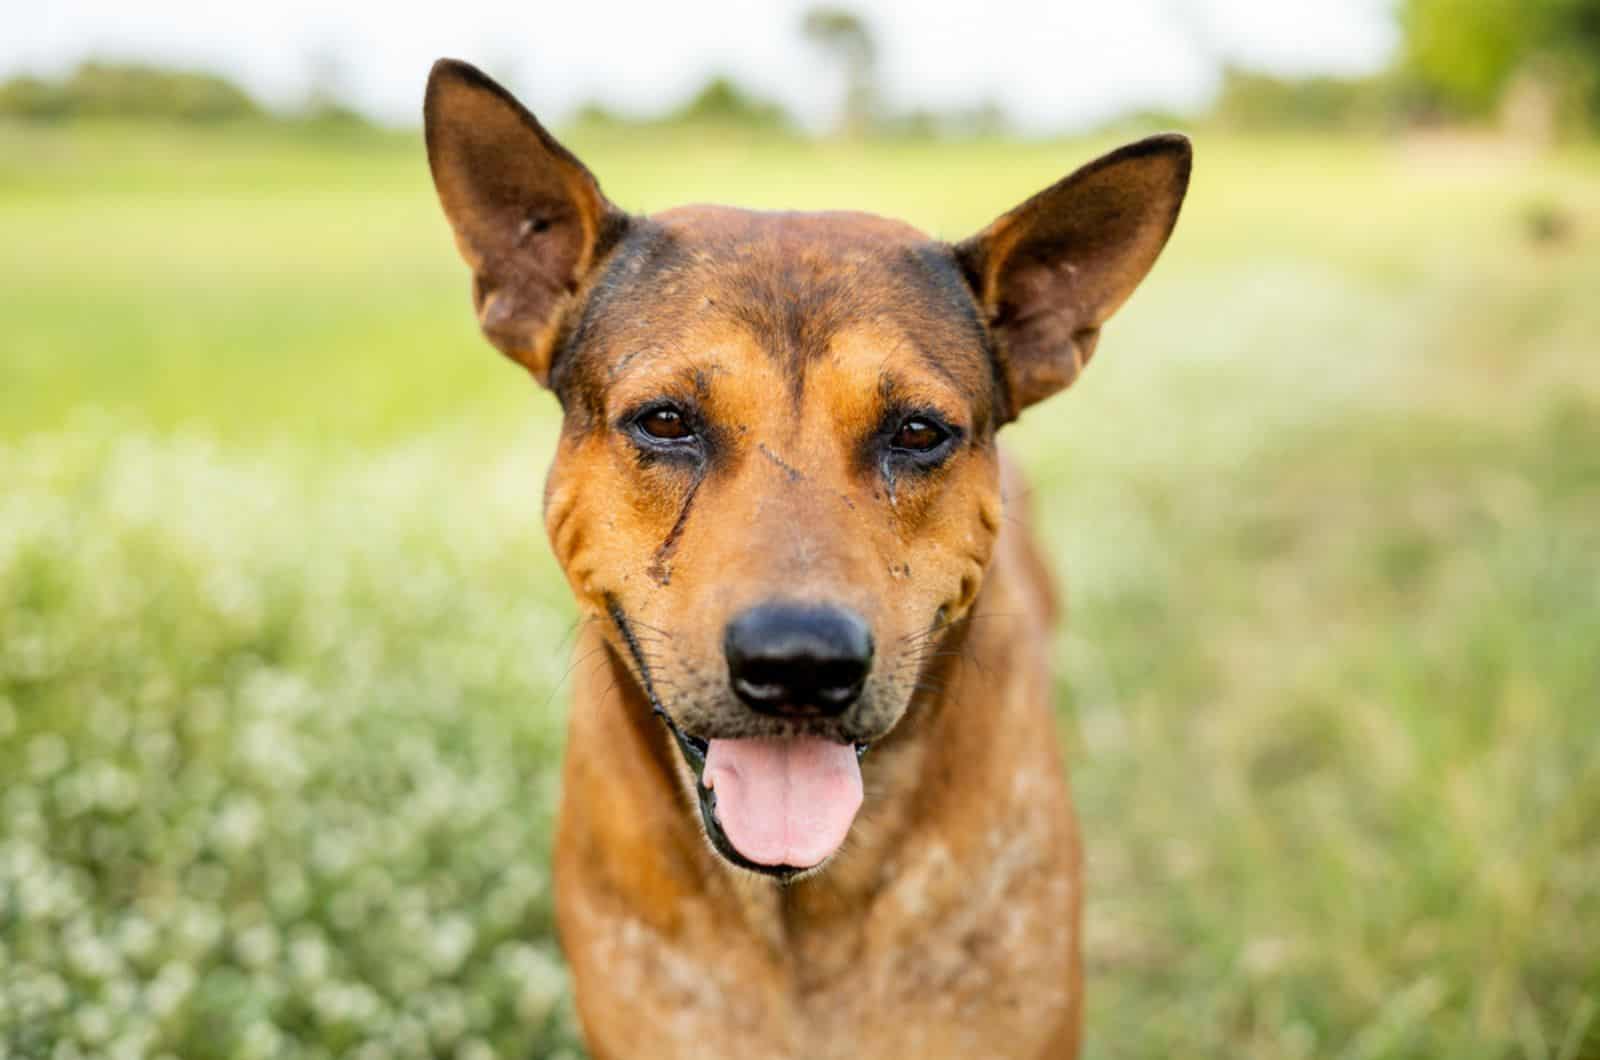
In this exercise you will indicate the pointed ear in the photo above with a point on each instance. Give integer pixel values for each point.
(1048, 274)
(529, 219)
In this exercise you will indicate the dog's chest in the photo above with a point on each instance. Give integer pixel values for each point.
(941, 963)
(948, 956)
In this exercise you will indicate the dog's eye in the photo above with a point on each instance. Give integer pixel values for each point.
(919, 435)
(665, 425)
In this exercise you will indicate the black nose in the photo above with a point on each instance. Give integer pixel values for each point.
(798, 660)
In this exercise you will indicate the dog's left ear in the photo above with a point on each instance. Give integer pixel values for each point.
(1048, 274)
(529, 218)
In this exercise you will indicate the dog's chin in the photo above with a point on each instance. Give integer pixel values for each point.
(695, 753)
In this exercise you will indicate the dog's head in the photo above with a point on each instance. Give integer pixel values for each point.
(776, 482)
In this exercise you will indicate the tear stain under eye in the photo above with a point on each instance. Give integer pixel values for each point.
(660, 570)
(889, 484)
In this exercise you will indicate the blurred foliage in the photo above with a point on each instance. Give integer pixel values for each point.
(720, 103)
(247, 812)
(1468, 53)
(284, 654)
(99, 91)
(1466, 50)
(1257, 101)
(846, 39)
(127, 90)
(983, 120)
(1531, 65)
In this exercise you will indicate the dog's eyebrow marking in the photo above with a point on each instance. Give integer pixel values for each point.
(941, 367)
(660, 569)
(793, 473)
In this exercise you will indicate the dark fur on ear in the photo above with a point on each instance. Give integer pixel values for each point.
(1048, 274)
(529, 219)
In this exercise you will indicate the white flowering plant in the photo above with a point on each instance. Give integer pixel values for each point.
(279, 743)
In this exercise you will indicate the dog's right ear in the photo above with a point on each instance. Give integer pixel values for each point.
(529, 219)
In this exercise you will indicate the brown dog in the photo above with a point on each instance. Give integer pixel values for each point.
(813, 799)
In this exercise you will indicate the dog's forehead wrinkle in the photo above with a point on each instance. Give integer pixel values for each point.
(794, 279)
(748, 311)
(662, 368)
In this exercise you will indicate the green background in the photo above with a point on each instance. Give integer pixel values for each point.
(282, 650)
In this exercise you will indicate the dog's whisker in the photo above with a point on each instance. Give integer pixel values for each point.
(571, 667)
(949, 627)
(653, 629)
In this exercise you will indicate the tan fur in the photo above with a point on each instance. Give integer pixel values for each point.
(947, 925)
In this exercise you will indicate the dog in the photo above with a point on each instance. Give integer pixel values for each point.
(813, 802)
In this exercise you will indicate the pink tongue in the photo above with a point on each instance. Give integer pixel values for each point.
(784, 802)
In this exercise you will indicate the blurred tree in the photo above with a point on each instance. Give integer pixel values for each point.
(34, 99)
(1577, 25)
(127, 90)
(327, 88)
(846, 39)
(721, 101)
(593, 113)
(1251, 100)
(1468, 53)
(1467, 50)
(983, 120)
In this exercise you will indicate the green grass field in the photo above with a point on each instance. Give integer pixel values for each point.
(282, 649)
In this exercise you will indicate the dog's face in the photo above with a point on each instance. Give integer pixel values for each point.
(776, 483)
(787, 418)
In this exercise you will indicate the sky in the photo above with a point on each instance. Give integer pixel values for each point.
(1053, 66)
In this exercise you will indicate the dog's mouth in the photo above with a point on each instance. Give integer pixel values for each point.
(780, 806)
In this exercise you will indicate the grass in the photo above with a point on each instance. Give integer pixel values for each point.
(282, 650)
